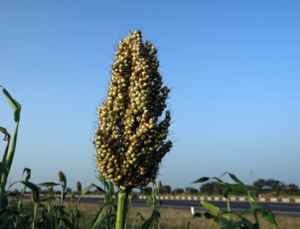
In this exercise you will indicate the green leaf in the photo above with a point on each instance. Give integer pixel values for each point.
(14, 104)
(154, 218)
(84, 191)
(248, 225)
(211, 207)
(3, 168)
(101, 215)
(45, 198)
(48, 184)
(30, 185)
(138, 214)
(9, 155)
(133, 198)
(28, 173)
(233, 177)
(4, 201)
(268, 216)
(201, 215)
(201, 180)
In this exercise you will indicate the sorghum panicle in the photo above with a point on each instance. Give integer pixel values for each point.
(130, 141)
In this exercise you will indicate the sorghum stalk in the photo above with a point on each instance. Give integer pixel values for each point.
(63, 180)
(10, 150)
(130, 141)
(35, 198)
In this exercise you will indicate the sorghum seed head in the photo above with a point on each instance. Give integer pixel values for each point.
(78, 186)
(34, 196)
(72, 196)
(61, 176)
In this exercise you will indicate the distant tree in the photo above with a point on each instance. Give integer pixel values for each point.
(191, 190)
(255, 190)
(167, 188)
(69, 190)
(260, 183)
(293, 187)
(273, 184)
(177, 191)
(207, 188)
(218, 188)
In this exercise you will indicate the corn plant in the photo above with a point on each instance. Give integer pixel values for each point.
(130, 141)
(9, 152)
(225, 219)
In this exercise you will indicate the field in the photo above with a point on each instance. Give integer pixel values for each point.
(175, 218)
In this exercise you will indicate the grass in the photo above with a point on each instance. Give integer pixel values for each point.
(176, 218)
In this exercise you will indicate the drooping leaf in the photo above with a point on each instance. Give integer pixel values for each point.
(84, 191)
(154, 218)
(138, 214)
(101, 215)
(268, 216)
(14, 104)
(201, 180)
(233, 177)
(30, 185)
(48, 184)
(28, 173)
(211, 207)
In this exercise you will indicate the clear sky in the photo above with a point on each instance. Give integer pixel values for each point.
(233, 66)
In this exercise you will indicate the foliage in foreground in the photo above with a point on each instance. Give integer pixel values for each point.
(225, 219)
(48, 211)
(9, 152)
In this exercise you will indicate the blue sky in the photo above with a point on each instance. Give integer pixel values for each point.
(233, 67)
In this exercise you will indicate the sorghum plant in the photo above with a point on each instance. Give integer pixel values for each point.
(9, 152)
(225, 219)
(130, 141)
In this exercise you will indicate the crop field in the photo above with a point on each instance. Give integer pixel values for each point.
(174, 218)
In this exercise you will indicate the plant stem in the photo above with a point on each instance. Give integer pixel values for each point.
(121, 212)
(20, 204)
(61, 203)
(253, 212)
(34, 215)
(229, 210)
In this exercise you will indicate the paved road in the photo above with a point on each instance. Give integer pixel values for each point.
(290, 209)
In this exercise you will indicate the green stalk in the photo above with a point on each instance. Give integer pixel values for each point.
(121, 212)
(253, 212)
(61, 202)
(20, 203)
(229, 210)
(34, 215)
(9, 155)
